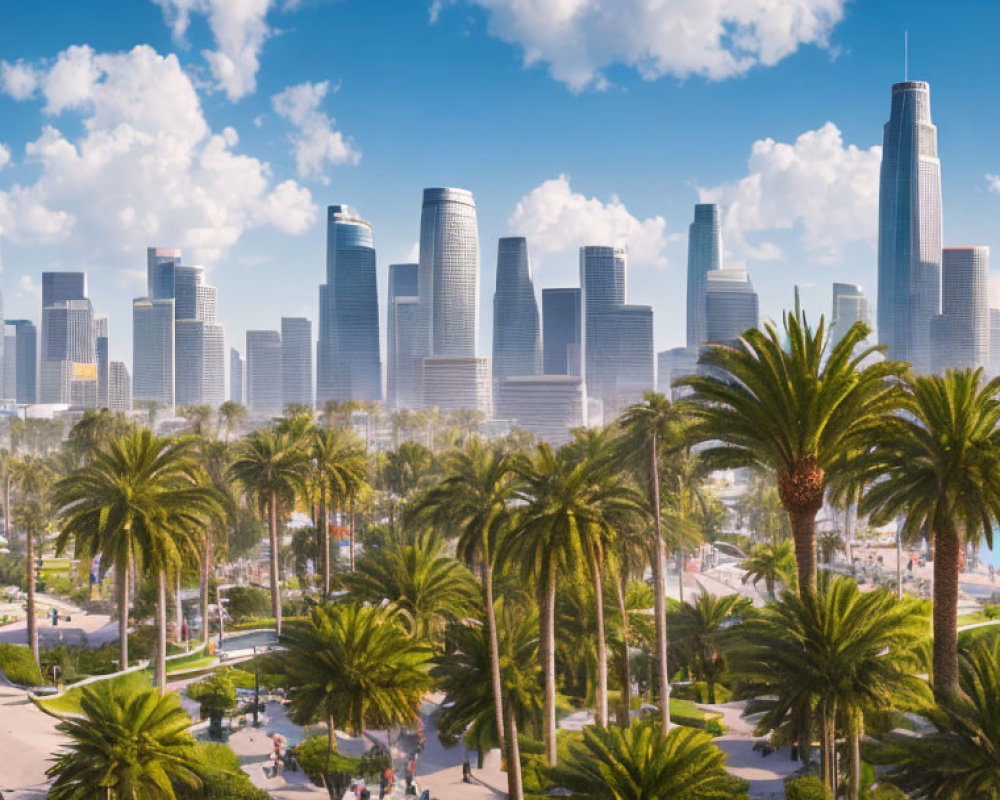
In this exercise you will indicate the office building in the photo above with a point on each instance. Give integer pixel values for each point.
(101, 344)
(263, 370)
(9, 365)
(61, 287)
(189, 366)
(119, 387)
(730, 306)
(406, 342)
(235, 376)
(348, 362)
(517, 344)
(22, 360)
(562, 325)
(457, 382)
(161, 264)
(67, 340)
(994, 367)
(671, 365)
(296, 362)
(849, 306)
(705, 255)
(549, 406)
(602, 281)
(909, 237)
(449, 270)
(153, 350)
(960, 335)
(213, 376)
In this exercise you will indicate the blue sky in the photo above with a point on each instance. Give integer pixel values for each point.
(225, 127)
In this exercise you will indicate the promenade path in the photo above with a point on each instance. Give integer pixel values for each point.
(28, 738)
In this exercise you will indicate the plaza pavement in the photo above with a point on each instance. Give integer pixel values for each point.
(28, 738)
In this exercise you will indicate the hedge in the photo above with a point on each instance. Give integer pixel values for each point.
(17, 663)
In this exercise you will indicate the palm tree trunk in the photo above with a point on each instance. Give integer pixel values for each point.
(32, 620)
(331, 736)
(659, 589)
(206, 568)
(515, 787)
(161, 632)
(272, 519)
(494, 643)
(624, 714)
(121, 578)
(179, 610)
(324, 523)
(854, 732)
(602, 648)
(946, 554)
(680, 575)
(804, 537)
(548, 650)
(352, 534)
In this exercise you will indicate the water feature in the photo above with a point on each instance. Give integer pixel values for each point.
(247, 640)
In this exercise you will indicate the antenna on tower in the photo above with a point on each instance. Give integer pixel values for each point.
(906, 55)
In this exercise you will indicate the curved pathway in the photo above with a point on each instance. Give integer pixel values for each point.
(28, 738)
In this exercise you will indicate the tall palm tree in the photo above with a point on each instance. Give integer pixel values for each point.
(428, 587)
(841, 652)
(650, 430)
(353, 666)
(215, 456)
(271, 467)
(232, 416)
(699, 627)
(141, 500)
(565, 501)
(340, 469)
(405, 471)
(959, 758)
(640, 763)
(773, 563)
(937, 464)
(32, 514)
(789, 402)
(130, 745)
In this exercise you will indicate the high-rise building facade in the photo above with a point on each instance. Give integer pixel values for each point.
(849, 306)
(517, 344)
(102, 356)
(457, 382)
(994, 366)
(61, 287)
(296, 362)
(671, 365)
(235, 376)
(705, 255)
(153, 350)
(960, 335)
(909, 238)
(549, 406)
(67, 340)
(213, 376)
(562, 326)
(119, 387)
(405, 341)
(731, 306)
(25, 358)
(449, 270)
(263, 368)
(161, 264)
(348, 364)
(189, 362)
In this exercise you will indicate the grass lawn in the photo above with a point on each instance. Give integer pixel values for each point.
(185, 665)
(69, 702)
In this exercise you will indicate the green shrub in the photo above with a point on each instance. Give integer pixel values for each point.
(991, 612)
(806, 789)
(214, 693)
(323, 765)
(886, 792)
(222, 776)
(17, 663)
(246, 602)
(715, 728)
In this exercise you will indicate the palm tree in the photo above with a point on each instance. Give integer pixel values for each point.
(773, 563)
(353, 666)
(126, 746)
(32, 514)
(640, 763)
(232, 416)
(788, 402)
(405, 471)
(271, 467)
(841, 652)
(937, 464)
(215, 457)
(340, 469)
(427, 586)
(959, 759)
(699, 627)
(650, 430)
(141, 500)
(567, 502)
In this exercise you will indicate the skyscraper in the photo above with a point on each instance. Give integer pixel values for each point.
(67, 340)
(101, 344)
(730, 306)
(960, 335)
(60, 287)
(296, 362)
(263, 368)
(849, 306)
(547, 405)
(705, 255)
(517, 345)
(562, 325)
(153, 350)
(235, 376)
(671, 365)
(25, 357)
(406, 342)
(602, 281)
(161, 264)
(213, 377)
(189, 361)
(119, 387)
(199, 341)
(449, 270)
(909, 237)
(457, 382)
(624, 339)
(348, 363)
(994, 368)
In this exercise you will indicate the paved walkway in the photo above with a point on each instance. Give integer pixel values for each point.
(28, 739)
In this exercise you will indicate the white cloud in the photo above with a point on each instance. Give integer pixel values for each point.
(19, 80)
(555, 219)
(816, 183)
(26, 287)
(147, 168)
(993, 182)
(315, 143)
(240, 29)
(4, 155)
(715, 39)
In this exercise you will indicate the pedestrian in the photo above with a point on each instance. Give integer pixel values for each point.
(383, 782)
(466, 770)
(411, 767)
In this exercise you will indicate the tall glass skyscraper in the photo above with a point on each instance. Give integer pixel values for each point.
(235, 376)
(562, 325)
(849, 306)
(960, 336)
(449, 270)
(704, 255)
(909, 235)
(263, 366)
(296, 362)
(101, 351)
(348, 361)
(731, 306)
(406, 340)
(517, 345)
(602, 280)
(153, 350)
(161, 264)
(25, 356)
